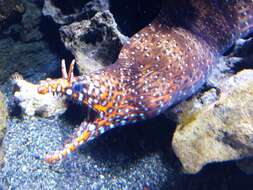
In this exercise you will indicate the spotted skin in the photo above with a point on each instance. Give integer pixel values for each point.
(164, 63)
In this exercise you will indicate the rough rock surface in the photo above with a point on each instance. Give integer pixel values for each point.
(22, 48)
(95, 42)
(9, 10)
(221, 130)
(89, 31)
(73, 11)
(32, 103)
(16, 56)
(3, 124)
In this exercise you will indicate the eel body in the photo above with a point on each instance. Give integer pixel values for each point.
(164, 63)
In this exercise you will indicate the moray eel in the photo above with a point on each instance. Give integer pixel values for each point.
(161, 65)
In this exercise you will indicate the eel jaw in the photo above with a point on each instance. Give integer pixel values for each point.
(58, 86)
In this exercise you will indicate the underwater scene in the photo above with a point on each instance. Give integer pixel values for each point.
(126, 94)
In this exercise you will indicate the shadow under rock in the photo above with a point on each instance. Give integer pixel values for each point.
(132, 15)
(216, 176)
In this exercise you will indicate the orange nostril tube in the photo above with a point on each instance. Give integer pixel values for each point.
(42, 90)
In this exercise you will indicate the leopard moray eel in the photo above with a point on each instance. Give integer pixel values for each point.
(164, 63)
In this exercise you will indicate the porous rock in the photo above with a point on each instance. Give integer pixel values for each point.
(3, 123)
(31, 102)
(22, 48)
(220, 128)
(9, 10)
(30, 23)
(25, 58)
(77, 10)
(95, 42)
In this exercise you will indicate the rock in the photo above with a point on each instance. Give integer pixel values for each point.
(22, 49)
(89, 31)
(95, 42)
(3, 115)
(219, 128)
(75, 11)
(10, 10)
(30, 23)
(28, 29)
(31, 103)
(25, 58)
(3, 124)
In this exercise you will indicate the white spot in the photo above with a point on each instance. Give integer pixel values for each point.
(80, 98)
(123, 122)
(142, 115)
(104, 103)
(101, 130)
(110, 110)
(69, 92)
(92, 127)
(111, 126)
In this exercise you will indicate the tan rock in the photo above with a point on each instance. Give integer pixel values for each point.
(33, 103)
(3, 123)
(219, 130)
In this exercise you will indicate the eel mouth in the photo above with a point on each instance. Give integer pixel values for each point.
(77, 113)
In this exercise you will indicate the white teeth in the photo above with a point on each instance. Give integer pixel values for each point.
(58, 89)
(49, 89)
(69, 92)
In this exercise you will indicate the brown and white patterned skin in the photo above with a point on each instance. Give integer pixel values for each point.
(164, 63)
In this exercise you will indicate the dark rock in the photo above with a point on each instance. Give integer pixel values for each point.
(31, 22)
(73, 11)
(25, 58)
(10, 10)
(95, 42)
(28, 29)
(22, 49)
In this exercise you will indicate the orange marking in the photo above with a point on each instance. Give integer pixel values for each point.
(83, 137)
(72, 147)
